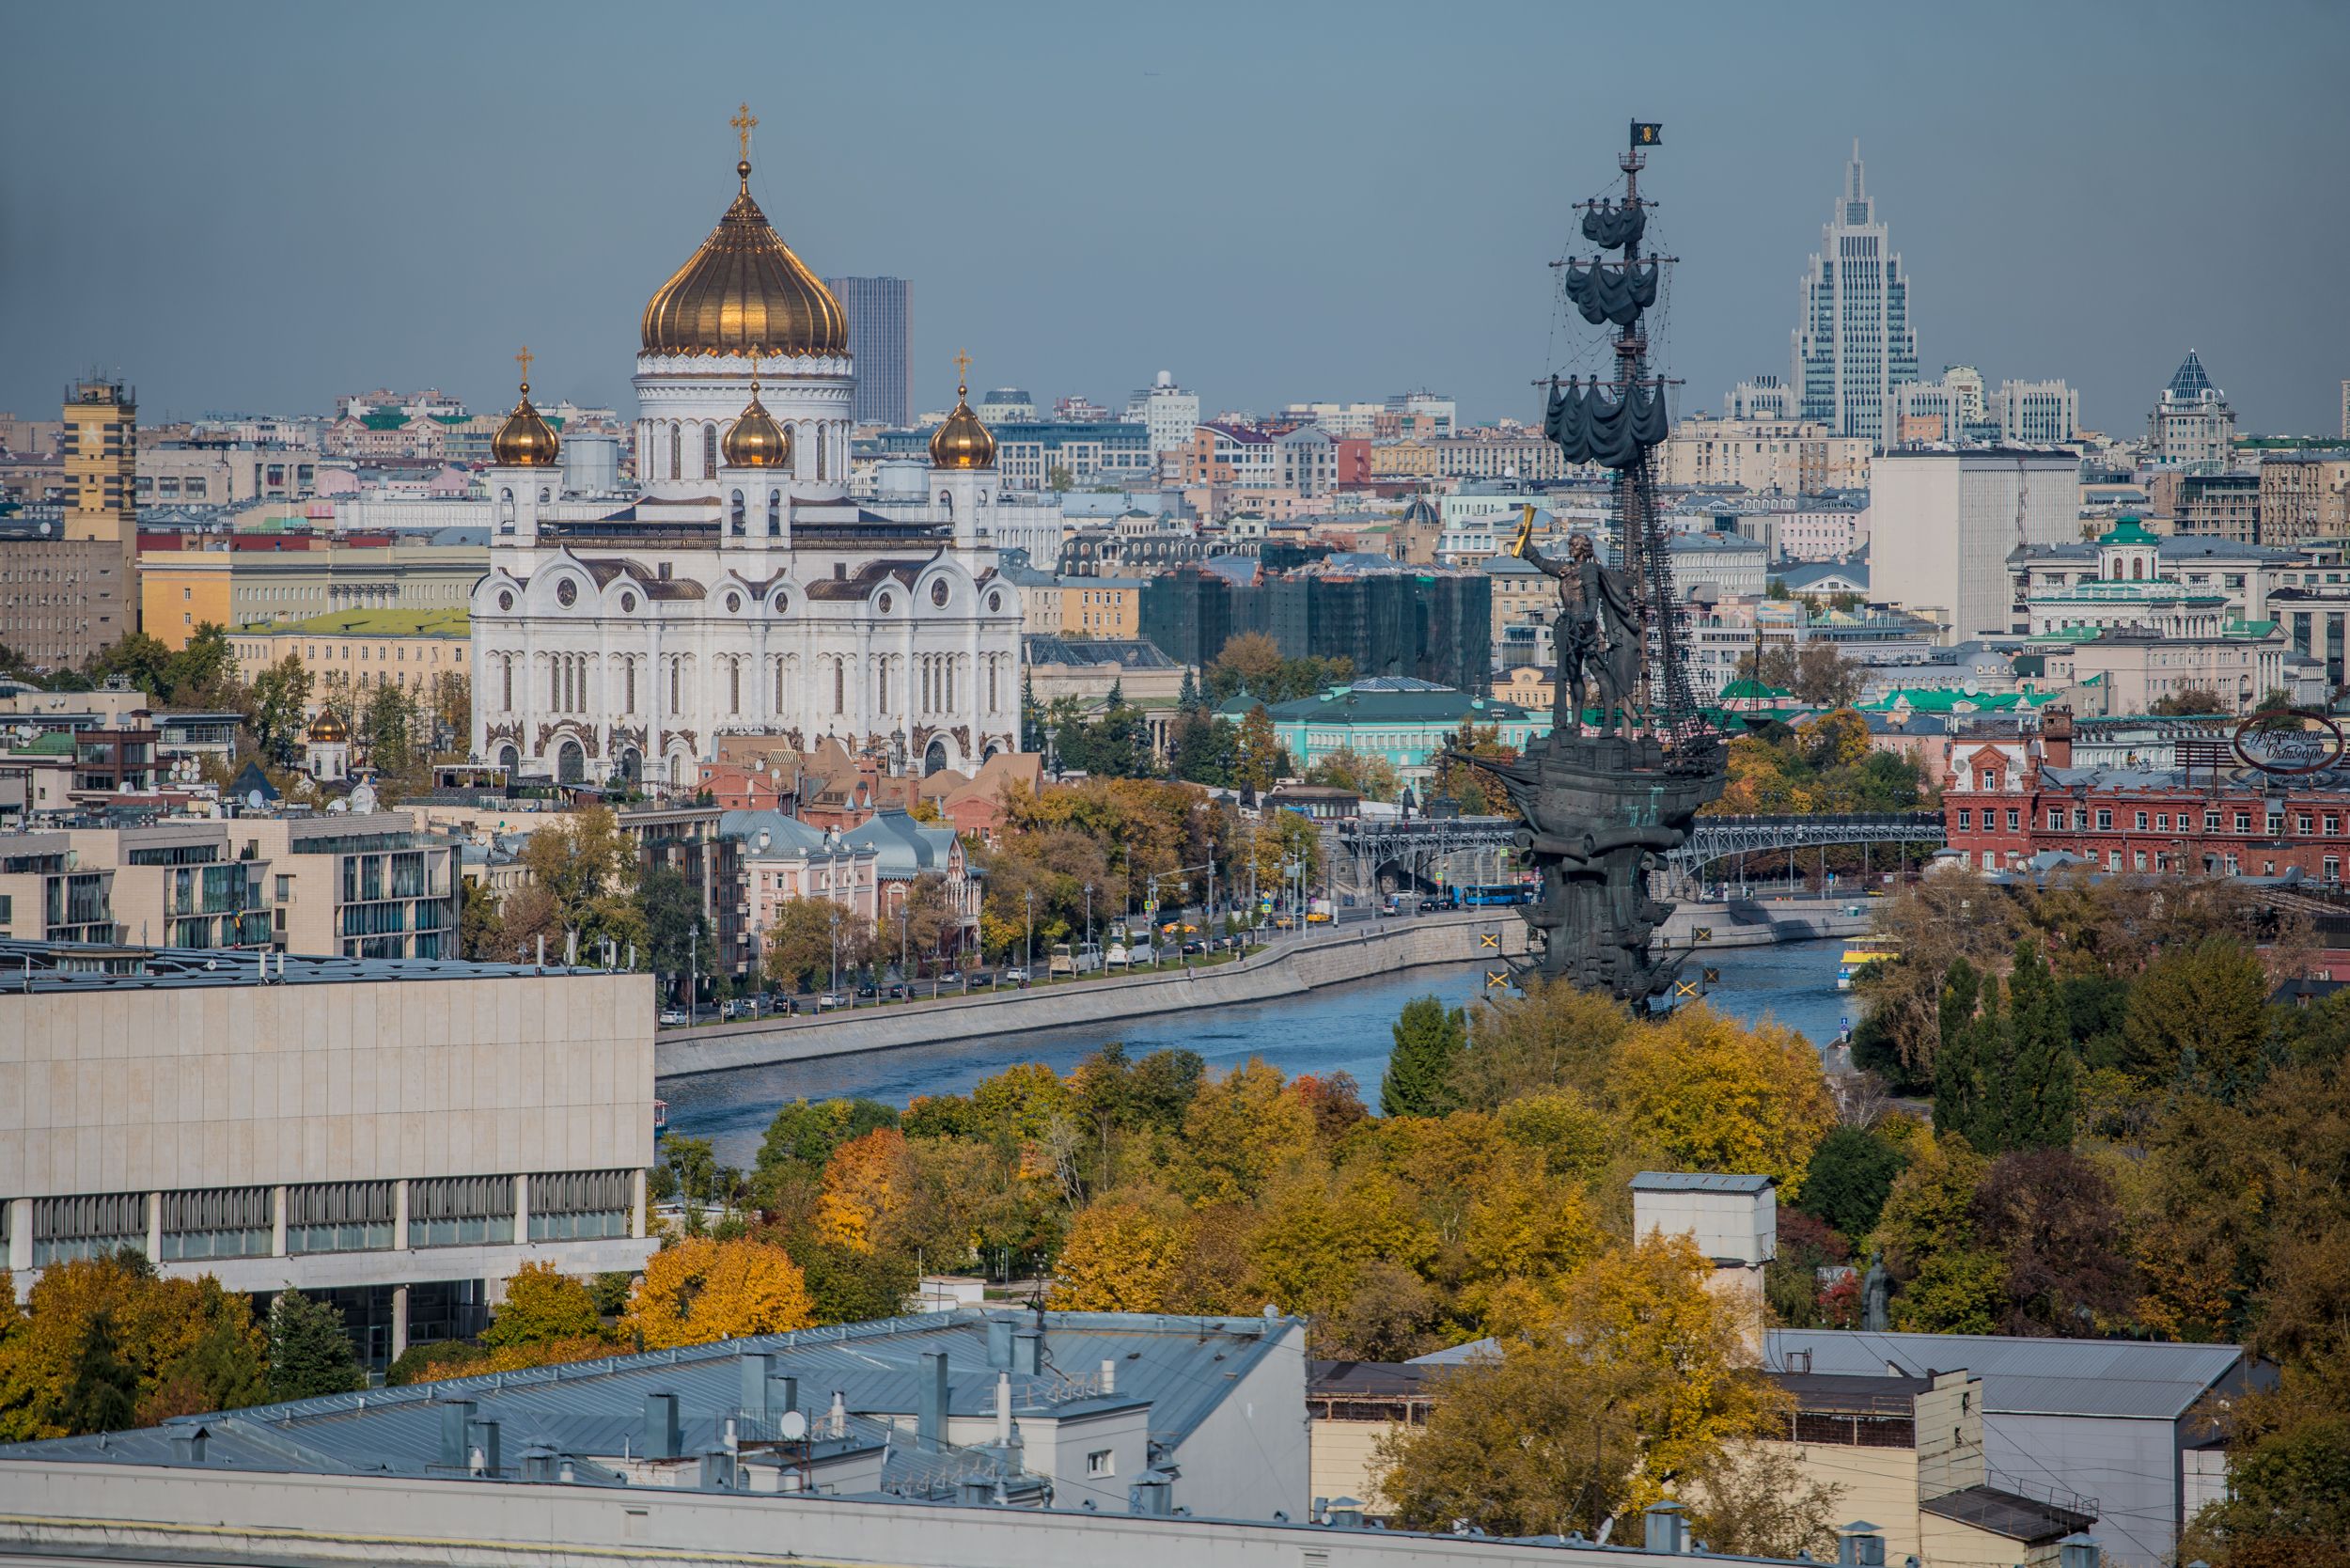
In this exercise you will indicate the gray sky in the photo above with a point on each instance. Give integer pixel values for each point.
(259, 206)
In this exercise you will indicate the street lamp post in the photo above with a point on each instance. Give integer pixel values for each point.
(1027, 946)
(1088, 914)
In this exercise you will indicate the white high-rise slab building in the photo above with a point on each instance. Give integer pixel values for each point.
(1854, 343)
(1168, 412)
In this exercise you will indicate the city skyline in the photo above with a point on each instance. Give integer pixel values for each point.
(408, 221)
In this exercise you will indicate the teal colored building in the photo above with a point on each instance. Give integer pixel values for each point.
(1406, 721)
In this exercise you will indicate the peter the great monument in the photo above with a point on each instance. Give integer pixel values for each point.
(1605, 796)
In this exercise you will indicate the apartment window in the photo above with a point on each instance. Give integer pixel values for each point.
(2138, 860)
(87, 1227)
(2244, 822)
(1965, 820)
(2304, 822)
(2333, 822)
(2211, 821)
(338, 1217)
(2104, 820)
(580, 1205)
(285, 889)
(2142, 822)
(2274, 824)
(2162, 820)
(1101, 1462)
(2055, 819)
(461, 1211)
(2333, 868)
(223, 1222)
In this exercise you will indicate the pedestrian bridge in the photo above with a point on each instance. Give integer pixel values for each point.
(1385, 856)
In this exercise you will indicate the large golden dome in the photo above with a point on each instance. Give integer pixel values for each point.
(755, 440)
(526, 440)
(962, 442)
(745, 293)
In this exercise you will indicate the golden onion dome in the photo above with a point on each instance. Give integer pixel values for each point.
(328, 729)
(756, 441)
(962, 442)
(745, 293)
(526, 440)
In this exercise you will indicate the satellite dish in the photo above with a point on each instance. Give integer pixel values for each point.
(252, 799)
(792, 1427)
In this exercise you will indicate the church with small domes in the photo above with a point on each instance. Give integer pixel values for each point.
(743, 590)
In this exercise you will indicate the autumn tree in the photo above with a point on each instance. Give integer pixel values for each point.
(867, 1184)
(587, 868)
(2198, 1015)
(1120, 1257)
(1636, 1386)
(1367, 774)
(280, 695)
(1472, 791)
(1419, 1079)
(1240, 1131)
(1552, 1035)
(1720, 1095)
(808, 938)
(542, 1304)
(2051, 1218)
(1950, 1282)
(699, 1291)
(188, 1345)
(1258, 759)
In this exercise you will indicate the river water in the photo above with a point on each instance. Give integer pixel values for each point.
(1337, 1028)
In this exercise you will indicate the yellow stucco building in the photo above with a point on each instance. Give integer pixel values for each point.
(408, 649)
(182, 589)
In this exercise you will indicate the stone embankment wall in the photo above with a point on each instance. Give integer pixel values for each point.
(1319, 959)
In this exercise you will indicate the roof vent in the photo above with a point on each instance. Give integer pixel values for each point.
(187, 1445)
(455, 1416)
(660, 1433)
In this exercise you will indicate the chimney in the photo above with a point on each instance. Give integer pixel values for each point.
(718, 1471)
(482, 1440)
(1003, 1408)
(1152, 1496)
(1000, 1342)
(1948, 1418)
(455, 1416)
(1109, 1375)
(2056, 737)
(930, 1393)
(187, 1445)
(783, 1394)
(1665, 1529)
(661, 1436)
(838, 1418)
(756, 1367)
(1860, 1544)
(1027, 1351)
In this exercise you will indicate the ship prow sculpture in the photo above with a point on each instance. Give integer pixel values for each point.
(1603, 802)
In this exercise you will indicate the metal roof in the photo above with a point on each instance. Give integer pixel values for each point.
(37, 966)
(1698, 1181)
(1182, 1367)
(2126, 1378)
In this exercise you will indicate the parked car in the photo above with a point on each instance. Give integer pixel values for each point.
(830, 1001)
(1015, 975)
(673, 1015)
(1117, 957)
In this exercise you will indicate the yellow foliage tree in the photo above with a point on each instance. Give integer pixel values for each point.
(1724, 1096)
(542, 1306)
(192, 1345)
(1318, 1234)
(699, 1290)
(1632, 1388)
(1122, 1257)
(866, 1187)
(1241, 1131)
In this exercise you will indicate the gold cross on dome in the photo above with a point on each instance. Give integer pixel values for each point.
(743, 122)
(524, 360)
(963, 370)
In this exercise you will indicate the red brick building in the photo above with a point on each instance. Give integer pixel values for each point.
(2009, 800)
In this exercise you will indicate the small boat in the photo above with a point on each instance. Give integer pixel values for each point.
(1861, 952)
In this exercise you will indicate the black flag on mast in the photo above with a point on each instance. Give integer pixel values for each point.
(1648, 133)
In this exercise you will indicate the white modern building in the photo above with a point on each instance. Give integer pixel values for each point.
(397, 1137)
(1170, 413)
(743, 591)
(2037, 413)
(1942, 524)
(1854, 342)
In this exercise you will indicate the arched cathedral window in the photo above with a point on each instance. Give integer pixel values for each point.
(710, 449)
(676, 453)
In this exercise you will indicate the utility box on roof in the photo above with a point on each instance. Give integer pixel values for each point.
(1733, 1220)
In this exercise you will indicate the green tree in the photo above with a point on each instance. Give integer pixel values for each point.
(673, 919)
(1428, 1039)
(104, 1395)
(2199, 1016)
(2032, 1091)
(798, 948)
(139, 659)
(309, 1353)
(1969, 1019)
(478, 921)
(387, 727)
(203, 674)
(281, 697)
(1032, 716)
(1850, 1176)
(1950, 1283)
(1203, 748)
(801, 1140)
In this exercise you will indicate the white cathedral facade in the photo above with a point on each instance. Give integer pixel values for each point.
(743, 592)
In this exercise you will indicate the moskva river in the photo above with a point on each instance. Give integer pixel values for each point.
(1341, 1029)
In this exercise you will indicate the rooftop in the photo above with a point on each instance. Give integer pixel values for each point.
(35, 965)
(2028, 1377)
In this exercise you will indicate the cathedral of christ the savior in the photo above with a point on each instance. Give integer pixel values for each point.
(743, 591)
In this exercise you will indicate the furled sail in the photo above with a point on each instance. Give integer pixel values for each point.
(1591, 427)
(1612, 228)
(1605, 292)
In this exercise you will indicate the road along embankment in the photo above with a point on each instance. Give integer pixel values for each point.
(1302, 963)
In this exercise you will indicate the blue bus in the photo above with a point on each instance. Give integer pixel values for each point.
(1486, 895)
